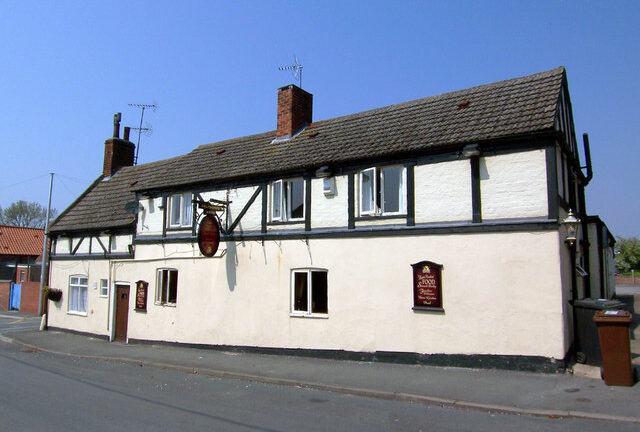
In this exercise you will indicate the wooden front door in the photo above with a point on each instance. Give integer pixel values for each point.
(122, 311)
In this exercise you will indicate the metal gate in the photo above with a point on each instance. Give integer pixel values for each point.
(14, 296)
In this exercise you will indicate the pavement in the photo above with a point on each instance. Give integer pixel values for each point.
(562, 395)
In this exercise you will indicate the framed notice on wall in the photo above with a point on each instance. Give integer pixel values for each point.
(141, 295)
(427, 286)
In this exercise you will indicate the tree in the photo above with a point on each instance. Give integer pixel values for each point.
(24, 214)
(627, 254)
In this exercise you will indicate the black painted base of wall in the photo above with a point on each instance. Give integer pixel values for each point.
(80, 333)
(478, 361)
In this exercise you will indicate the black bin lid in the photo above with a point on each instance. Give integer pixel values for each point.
(598, 304)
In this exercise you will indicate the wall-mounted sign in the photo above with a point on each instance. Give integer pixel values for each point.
(141, 295)
(209, 236)
(427, 285)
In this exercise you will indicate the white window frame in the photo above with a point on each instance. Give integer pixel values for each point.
(158, 300)
(378, 188)
(104, 284)
(185, 202)
(308, 312)
(283, 205)
(78, 285)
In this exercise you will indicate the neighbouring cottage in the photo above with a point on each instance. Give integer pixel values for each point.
(429, 231)
(20, 267)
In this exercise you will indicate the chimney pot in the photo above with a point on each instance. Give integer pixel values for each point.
(127, 131)
(116, 124)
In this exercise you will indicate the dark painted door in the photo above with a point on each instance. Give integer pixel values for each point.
(122, 311)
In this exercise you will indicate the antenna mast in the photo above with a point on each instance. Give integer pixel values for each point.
(296, 70)
(141, 129)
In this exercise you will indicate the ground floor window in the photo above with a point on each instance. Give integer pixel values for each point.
(167, 286)
(104, 288)
(309, 292)
(78, 294)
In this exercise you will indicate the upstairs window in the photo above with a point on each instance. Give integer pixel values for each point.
(287, 200)
(180, 210)
(167, 286)
(78, 294)
(382, 191)
(309, 292)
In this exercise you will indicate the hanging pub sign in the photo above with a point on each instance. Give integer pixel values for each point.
(427, 286)
(209, 236)
(141, 295)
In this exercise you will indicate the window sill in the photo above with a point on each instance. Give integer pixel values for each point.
(84, 314)
(287, 222)
(308, 315)
(382, 216)
(104, 296)
(165, 304)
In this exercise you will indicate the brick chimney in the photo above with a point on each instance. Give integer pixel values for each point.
(294, 110)
(117, 152)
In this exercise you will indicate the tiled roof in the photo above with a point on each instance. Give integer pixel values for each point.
(507, 108)
(21, 241)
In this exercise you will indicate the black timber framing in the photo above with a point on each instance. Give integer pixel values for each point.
(75, 249)
(411, 194)
(67, 257)
(237, 220)
(552, 182)
(351, 223)
(511, 225)
(263, 224)
(307, 204)
(104, 249)
(164, 215)
(476, 203)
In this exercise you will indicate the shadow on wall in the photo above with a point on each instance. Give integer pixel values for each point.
(231, 265)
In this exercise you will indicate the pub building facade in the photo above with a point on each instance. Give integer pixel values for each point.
(431, 230)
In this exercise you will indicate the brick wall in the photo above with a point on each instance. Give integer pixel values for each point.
(5, 288)
(29, 297)
(295, 108)
(627, 280)
(117, 153)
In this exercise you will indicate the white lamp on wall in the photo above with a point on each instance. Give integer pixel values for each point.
(571, 222)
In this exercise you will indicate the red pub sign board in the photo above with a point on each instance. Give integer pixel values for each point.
(209, 236)
(427, 286)
(141, 295)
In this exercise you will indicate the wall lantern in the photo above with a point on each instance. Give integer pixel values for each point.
(571, 222)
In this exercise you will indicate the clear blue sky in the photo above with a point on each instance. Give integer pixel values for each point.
(212, 67)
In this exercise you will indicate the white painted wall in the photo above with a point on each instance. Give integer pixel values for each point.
(495, 302)
(329, 210)
(443, 192)
(96, 320)
(514, 185)
(150, 216)
(239, 197)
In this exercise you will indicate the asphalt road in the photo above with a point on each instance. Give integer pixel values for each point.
(12, 322)
(45, 392)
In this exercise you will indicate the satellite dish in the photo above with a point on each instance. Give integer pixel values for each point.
(132, 207)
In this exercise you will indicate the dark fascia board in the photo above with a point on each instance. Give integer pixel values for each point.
(443, 152)
(503, 225)
(69, 257)
(76, 201)
(117, 230)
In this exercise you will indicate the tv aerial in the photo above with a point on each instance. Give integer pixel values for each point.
(296, 70)
(147, 129)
